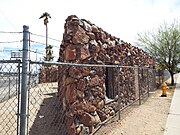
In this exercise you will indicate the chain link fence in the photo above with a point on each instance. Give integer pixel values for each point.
(161, 76)
(45, 109)
(45, 101)
(51, 98)
(9, 96)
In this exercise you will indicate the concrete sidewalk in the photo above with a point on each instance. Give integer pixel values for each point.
(173, 120)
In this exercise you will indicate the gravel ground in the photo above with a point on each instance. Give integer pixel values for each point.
(149, 118)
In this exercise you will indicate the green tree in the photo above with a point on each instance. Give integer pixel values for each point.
(46, 16)
(164, 44)
(49, 53)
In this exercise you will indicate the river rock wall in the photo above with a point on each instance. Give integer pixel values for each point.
(83, 90)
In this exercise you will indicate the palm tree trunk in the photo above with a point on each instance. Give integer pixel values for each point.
(47, 71)
(46, 39)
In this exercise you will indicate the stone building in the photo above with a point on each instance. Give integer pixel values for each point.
(84, 91)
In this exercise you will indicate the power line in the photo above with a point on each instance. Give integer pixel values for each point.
(10, 41)
(45, 37)
(37, 52)
(42, 43)
(10, 32)
(7, 50)
(7, 19)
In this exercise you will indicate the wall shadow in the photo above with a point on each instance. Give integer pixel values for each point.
(50, 118)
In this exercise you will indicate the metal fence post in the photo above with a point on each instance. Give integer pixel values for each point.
(23, 115)
(148, 80)
(163, 76)
(18, 92)
(119, 94)
(139, 85)
(9, 86)
(154, 79)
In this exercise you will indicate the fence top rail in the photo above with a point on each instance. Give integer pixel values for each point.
(10, 61)
(86, 65)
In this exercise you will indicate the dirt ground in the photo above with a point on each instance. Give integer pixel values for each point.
(149, 118)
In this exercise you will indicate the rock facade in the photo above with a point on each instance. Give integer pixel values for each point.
(48, 73)
(83, 89)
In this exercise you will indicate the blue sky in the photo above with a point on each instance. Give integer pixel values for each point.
(121, 18)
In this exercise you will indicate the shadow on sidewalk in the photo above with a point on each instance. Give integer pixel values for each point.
(49, 119)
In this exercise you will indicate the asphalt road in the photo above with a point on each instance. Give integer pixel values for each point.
(9, 85)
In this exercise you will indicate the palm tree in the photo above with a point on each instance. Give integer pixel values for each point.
(46, 16)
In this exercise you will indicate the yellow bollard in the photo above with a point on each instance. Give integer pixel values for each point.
(164, 88)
